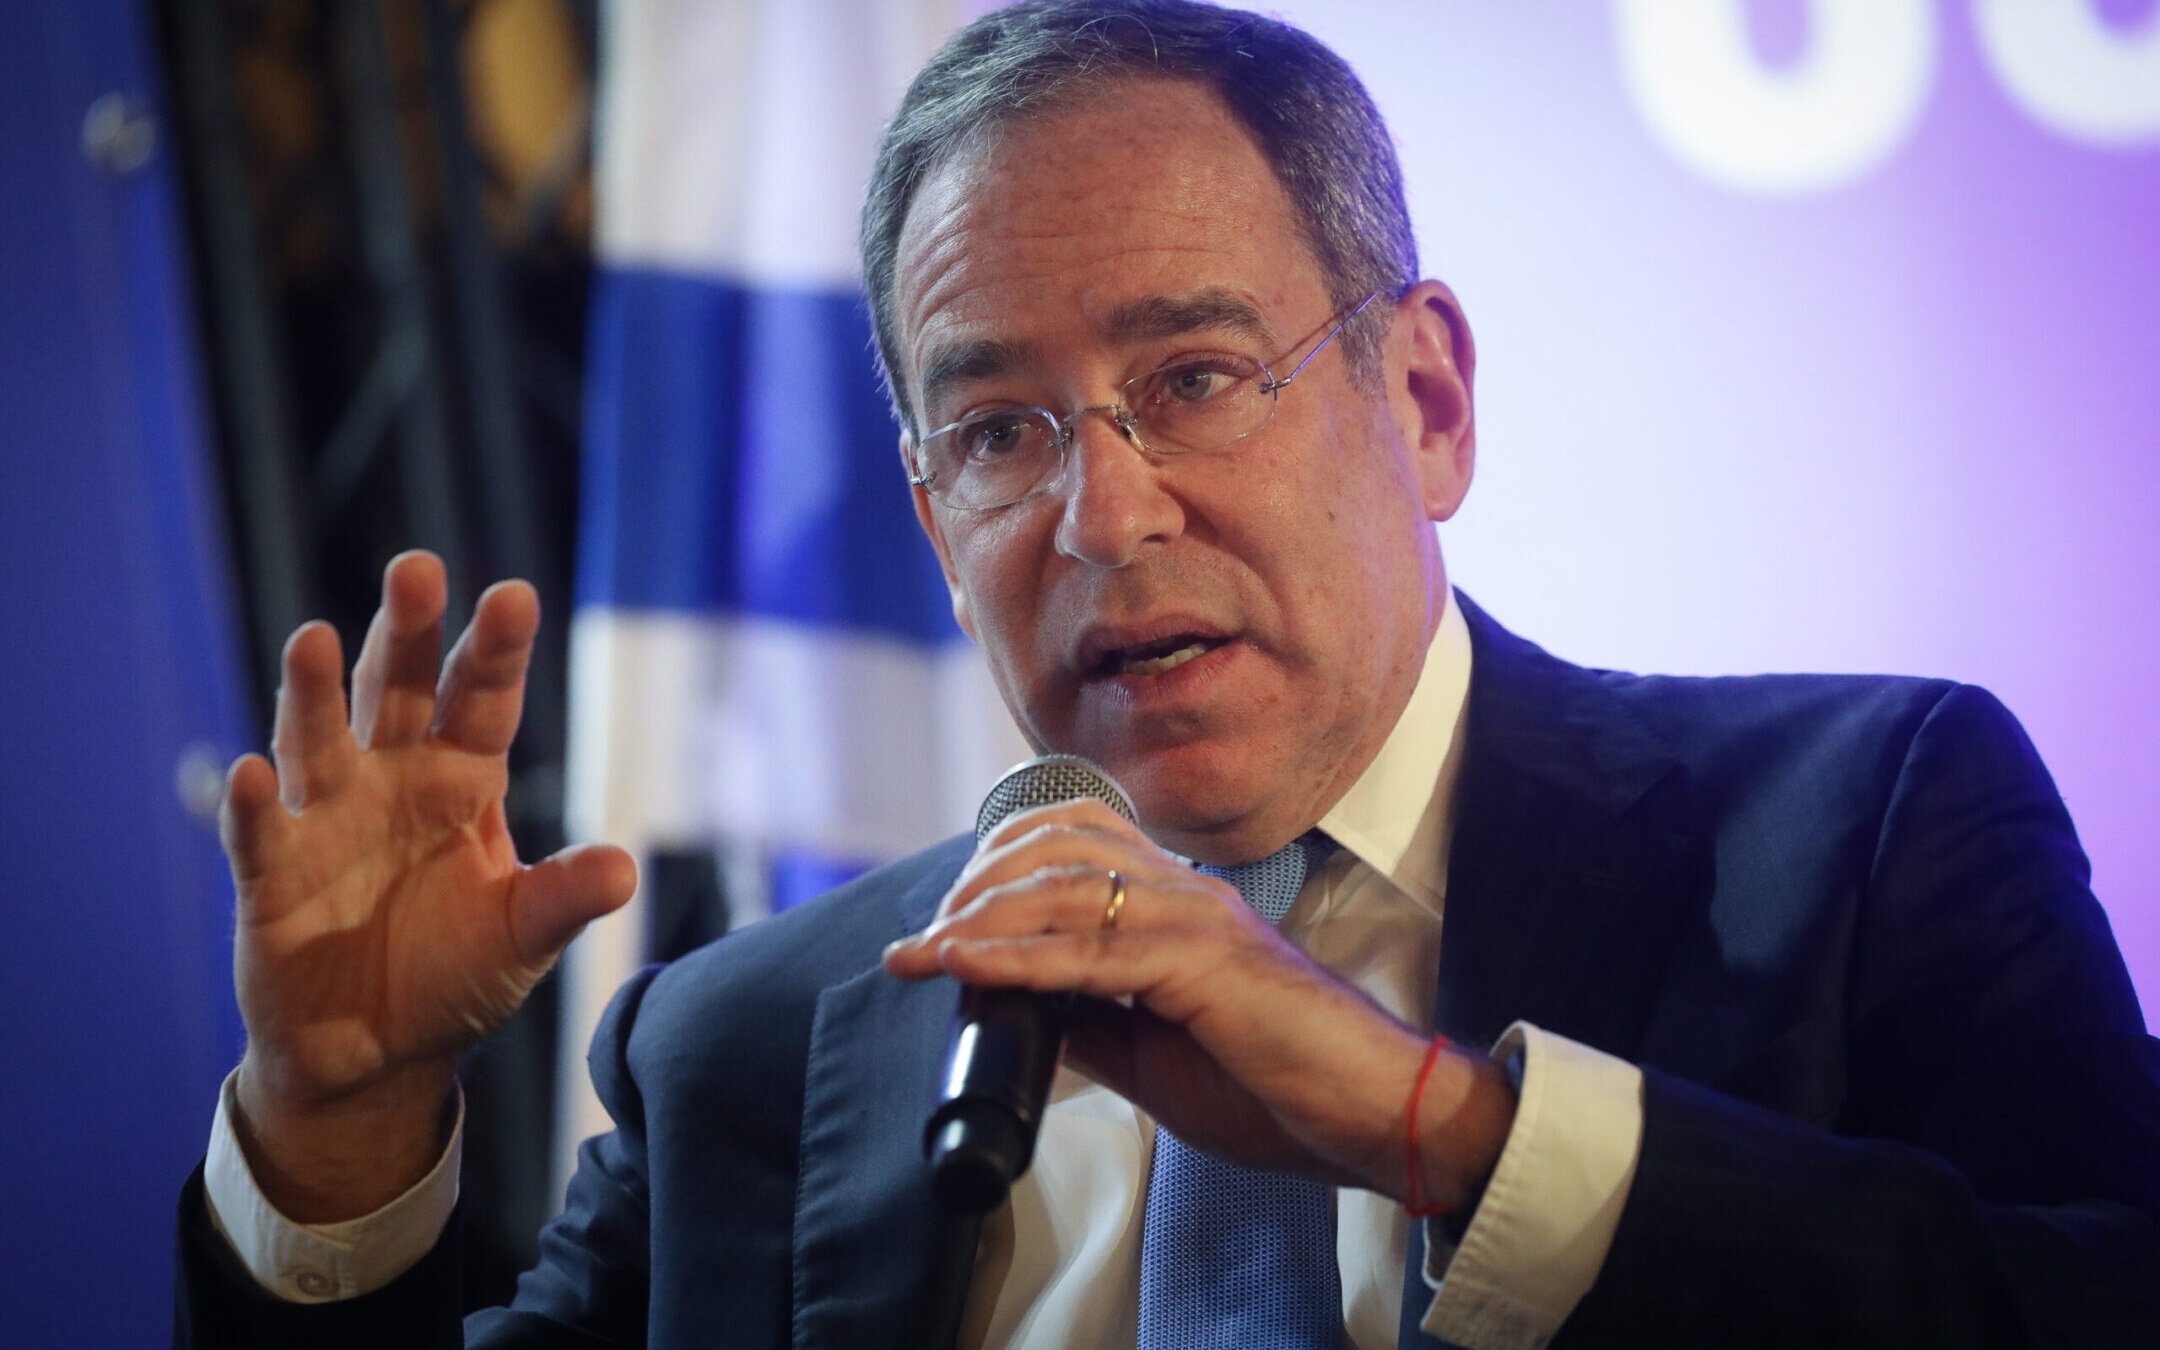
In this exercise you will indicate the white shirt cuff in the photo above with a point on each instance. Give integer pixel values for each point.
(1540, 1234)
(322, 1263)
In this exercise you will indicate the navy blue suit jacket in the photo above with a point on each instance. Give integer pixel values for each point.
(1898, 1088)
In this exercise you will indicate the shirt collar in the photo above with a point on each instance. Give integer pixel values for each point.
(1398, 817)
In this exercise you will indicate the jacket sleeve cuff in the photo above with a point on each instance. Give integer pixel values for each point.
(1539, 1235)
(322, 1263)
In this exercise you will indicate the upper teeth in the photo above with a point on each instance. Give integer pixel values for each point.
(1156, 665)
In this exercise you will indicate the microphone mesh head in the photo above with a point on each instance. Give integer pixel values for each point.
(1052, 778)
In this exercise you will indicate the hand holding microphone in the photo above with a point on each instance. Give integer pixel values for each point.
(1172, 991)
(1005, 1042)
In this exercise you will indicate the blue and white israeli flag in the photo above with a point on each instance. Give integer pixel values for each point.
(763, 656)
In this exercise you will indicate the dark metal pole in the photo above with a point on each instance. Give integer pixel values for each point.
(278, 572)
(392, 250)
(517, 536)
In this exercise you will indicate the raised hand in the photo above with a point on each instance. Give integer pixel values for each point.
(1203, 1015)
(385, 923)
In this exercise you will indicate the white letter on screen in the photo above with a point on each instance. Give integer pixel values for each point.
(2078, 75)
(1842, 108)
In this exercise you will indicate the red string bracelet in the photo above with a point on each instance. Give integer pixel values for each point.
(1417, 1206)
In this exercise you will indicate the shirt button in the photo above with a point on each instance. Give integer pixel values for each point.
(315, 1284)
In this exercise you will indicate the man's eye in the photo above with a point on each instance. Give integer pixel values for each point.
(998, 435)
(1198, 382)
(1191, 384)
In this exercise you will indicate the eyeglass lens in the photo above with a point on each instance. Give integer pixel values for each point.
(1201, 403)
(1002, 455)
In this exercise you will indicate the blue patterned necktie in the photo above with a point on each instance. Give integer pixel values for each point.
(1230, 1256)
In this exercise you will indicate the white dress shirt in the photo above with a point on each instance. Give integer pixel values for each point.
(1059, 1264)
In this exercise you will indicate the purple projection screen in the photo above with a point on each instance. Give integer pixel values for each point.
(1814, 335)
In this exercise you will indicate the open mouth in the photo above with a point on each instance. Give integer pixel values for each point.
(1156, 658)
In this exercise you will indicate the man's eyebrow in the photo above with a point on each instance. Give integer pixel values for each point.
(1163, 316)
(979, 359)
(1149, 319)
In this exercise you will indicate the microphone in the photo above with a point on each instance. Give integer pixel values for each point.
(1005, 1042)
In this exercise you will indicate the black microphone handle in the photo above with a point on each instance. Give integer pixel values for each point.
(1004, 1052)
(1005, 1042)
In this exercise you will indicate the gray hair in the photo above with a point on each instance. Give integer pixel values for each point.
(1311, 118)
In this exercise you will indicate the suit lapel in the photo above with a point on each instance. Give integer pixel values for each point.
(1576, 856)
(871, 1243)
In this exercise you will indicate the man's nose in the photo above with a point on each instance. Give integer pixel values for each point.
(1116, 499)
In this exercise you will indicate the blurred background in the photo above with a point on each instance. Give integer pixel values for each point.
(1813, 334)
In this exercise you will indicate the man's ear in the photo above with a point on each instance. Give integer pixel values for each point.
(938, 545)
(1431, 362)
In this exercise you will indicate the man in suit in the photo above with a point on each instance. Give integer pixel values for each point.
(1805, 1026)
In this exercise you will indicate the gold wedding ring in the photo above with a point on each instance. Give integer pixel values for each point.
(1117, 899)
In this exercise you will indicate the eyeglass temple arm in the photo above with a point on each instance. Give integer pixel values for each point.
(917, 475)
(1274, 385)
